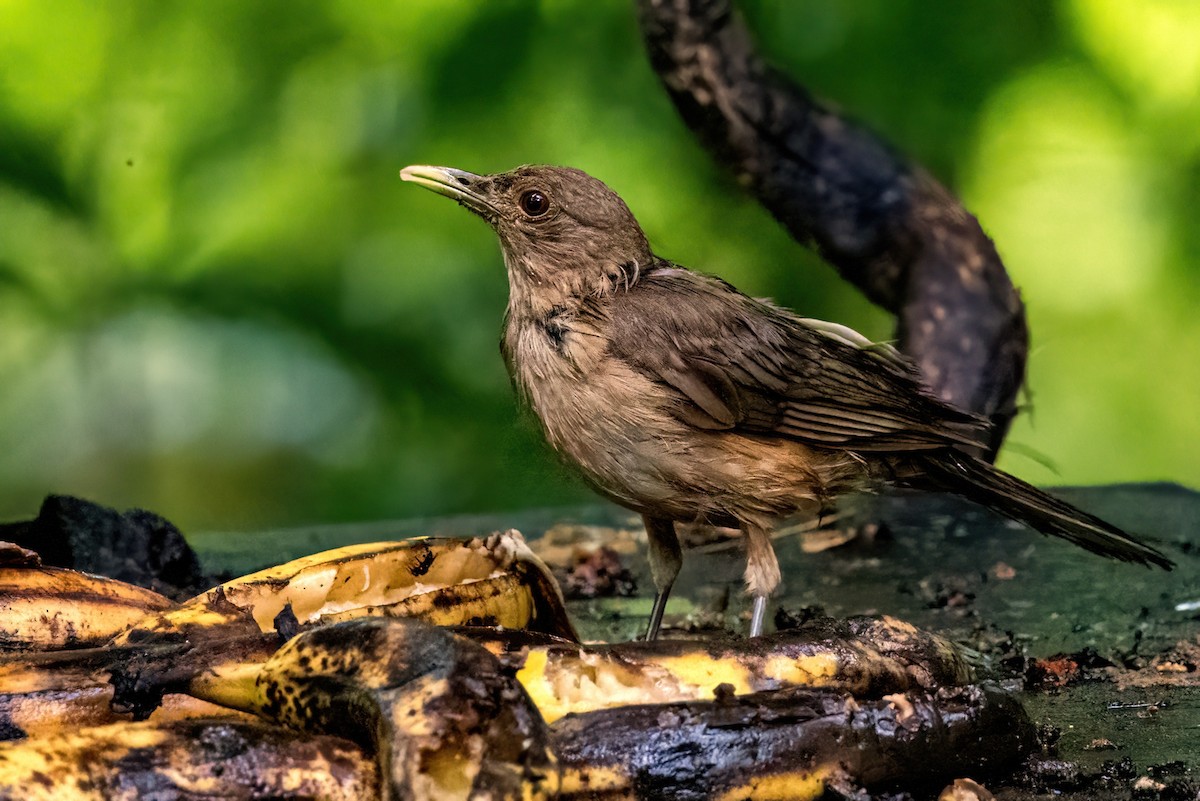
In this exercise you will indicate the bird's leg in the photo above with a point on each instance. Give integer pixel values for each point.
(762, 572)
(665, 561)
(758, 615)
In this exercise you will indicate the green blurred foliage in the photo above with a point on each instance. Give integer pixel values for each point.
(218, 301)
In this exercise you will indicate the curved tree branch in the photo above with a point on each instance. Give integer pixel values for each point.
(886, 225)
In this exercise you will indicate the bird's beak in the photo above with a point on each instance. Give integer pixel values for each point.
(465, 187)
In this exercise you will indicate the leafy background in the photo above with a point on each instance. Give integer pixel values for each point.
(218, 301)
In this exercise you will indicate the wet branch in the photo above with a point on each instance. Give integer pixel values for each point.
(885, 224)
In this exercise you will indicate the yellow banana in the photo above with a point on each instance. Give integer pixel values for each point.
(47, 671)
(185, 760)
(794, 744)
(492, 581)
(46, 713)
(309, 644)
(446, 723)
(445, 720)
(861, 655)
(48, 692)
(46, 608)
(496, 580)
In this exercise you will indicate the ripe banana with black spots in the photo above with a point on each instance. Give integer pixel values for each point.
(443, 718)
(185, 760)
(446, 720)
(861, 655)
(47, 608)
(797, 744)
(311, 644)
(494, 581)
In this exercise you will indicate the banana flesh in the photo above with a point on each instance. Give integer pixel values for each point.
(48, 608)
(446, 722)
(188, 759)
(49, 692)
(47, 713)
(862, 656)
(792, 744)
(322, 645)
(444, 719)
(495, 581)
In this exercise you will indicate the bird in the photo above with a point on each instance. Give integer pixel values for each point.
(685, 400)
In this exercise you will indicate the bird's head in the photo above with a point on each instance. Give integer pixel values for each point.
(562, 231)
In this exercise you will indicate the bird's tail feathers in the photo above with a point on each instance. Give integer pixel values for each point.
(994, 489)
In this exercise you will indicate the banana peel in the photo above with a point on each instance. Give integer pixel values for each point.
(446, 720)
(49, 608)
(864, 656)
(794, 744)
(52, 674)
(47, 713)
(438, 710)
(186, 760)
(340, 645)
(493, 581)
(46, 693)
(389, 708)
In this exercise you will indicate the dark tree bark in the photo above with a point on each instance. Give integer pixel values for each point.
(886, 225)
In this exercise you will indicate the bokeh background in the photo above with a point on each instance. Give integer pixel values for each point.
(218, 301)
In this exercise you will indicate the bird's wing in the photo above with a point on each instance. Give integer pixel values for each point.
(744, 365)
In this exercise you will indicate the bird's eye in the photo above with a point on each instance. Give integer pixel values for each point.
(535, 203)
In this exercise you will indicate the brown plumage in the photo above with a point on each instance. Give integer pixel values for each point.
(683, 399)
